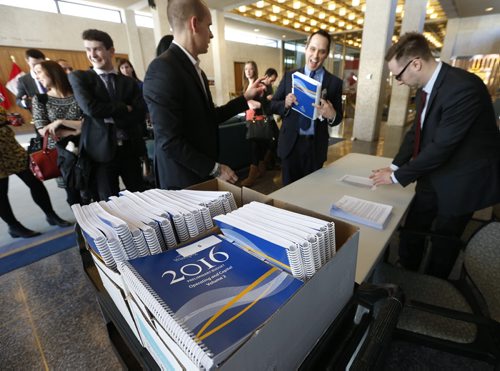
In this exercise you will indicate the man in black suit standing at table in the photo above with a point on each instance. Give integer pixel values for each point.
(303, 143)
(114, 113)
(184, 117)
(452, 151)
(28, 85)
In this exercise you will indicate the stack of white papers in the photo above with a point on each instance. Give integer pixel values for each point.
(294, 242)
(372, 214)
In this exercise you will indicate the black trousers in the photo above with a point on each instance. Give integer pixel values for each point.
(126, 165)
(301, 161)
(259, 148)
(38, 193)
(424, 216)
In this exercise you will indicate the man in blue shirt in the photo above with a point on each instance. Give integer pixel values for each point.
(303, 143)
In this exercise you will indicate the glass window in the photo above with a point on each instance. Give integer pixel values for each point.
(41, 5)
(88, 11)
(249, 38)
(144, 21)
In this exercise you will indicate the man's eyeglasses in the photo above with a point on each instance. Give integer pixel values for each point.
(399, 75)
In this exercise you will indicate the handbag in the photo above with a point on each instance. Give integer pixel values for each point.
(259, 130)
(43, 164)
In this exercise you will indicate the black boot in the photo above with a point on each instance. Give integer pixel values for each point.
(18, 230)
(54, 219)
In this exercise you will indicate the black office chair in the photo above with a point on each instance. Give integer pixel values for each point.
(461, 316)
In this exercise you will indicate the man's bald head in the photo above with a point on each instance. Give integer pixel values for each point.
(180, 11)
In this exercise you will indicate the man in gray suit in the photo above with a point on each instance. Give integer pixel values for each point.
(28, 85)
(184, 117)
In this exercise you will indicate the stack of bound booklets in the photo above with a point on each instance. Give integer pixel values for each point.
(140, 224)
(294, 242)
(207, 298)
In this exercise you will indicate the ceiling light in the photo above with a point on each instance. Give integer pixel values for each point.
(318, 2)
(430, 10)
(302, 19)
(307, 28)
(394, 38)
(360, 21)
(296, 5)
(399, 8)
(350, 42)
(488, 9)
(276, 9)
(290, 14)
(273, 18)
(256, 30)
(331, 19)
(259, 4)
(351, 17)
(342, 11)
(434, 16)
(258, 13)
(296, 25)
(332, 6)
(283, 36)
(331, 29)
(323, 26)
(349, 26)
(341, 24)
(355, 2)
(363, 8)
(321, 15)
(310, 11)
(286, 21)
(313, 22)
(242, 9)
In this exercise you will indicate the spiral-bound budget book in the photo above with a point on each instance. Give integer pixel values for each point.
(209, 296)
(308, 93)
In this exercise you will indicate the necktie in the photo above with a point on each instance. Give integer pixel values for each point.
(109, 82)
(305, 122)
(418, 128)
(43, 89)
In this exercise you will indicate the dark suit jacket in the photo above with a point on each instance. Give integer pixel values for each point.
(99, 137)
(289, 131)
(185, 120)
(26, 85)
(460, 145)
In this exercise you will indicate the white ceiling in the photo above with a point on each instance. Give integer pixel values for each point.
(452, 8)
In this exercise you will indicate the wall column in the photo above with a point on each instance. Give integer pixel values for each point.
(219, 55)
(413, 21)
(373, 71)
(134, 44)
(452, 30)
(160, 20)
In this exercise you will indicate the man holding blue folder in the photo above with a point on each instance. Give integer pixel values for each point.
(303, 143)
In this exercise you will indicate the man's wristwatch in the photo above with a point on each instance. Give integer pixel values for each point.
(216, 171)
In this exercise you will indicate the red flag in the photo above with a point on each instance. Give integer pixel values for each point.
(15, 74)
(4, 99)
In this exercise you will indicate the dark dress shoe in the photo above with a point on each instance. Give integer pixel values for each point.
(18, 230)
(56, 220)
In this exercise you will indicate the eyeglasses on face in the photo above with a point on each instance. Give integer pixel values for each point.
(399, 75)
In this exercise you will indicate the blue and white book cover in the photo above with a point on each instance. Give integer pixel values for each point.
(260, 247)
(217, 292)
(308, 92)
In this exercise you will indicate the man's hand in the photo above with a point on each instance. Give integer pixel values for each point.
(227, 174)
(255, 90)
(130, 108)
(253, 104)
(325, 109)
(289, 100)
(381, 176)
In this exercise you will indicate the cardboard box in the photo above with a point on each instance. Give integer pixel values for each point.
(286, 339)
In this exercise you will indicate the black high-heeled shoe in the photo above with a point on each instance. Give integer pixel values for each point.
(54, 219)
(18, 230)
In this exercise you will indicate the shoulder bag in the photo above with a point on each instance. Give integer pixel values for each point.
(43, 163)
